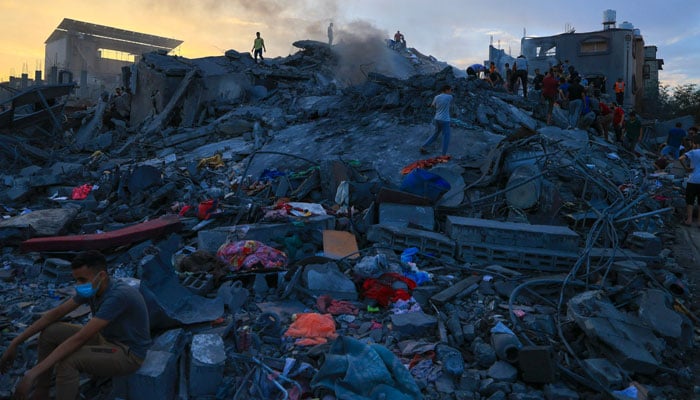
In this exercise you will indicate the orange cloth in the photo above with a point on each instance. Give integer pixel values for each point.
(425, 164)
(312, 329)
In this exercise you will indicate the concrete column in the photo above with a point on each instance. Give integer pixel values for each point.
(37, 78)
(53, 75)
(25, 81)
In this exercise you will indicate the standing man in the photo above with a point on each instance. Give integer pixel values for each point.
(114, 342)
(692, 190)
(550, 88)
(521, 73)
(442, 103)
(258, 47)
(576, 98)
(330, 34)
(618, 121)
(620, 91)
(674, 141)
(633, 132)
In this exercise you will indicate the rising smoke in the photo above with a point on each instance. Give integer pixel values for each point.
(360, 46)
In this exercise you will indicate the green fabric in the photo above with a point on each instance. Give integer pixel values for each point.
(357, 371)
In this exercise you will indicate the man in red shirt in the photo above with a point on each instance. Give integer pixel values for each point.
(605, 119)
(618, 121)
(549, 93)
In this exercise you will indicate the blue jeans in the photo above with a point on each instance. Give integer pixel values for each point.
(444, 127)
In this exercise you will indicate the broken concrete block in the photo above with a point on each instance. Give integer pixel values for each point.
(524, 187)
(644, 243)
(48, 222)
(57, 270)
(401, 238)
(503, 371)
(559, 392)
(404, 216)
(475, 230)
(484, 354)
(327, 279)
(654, 309)
(413, 324)
(156, 379)
(604, 371)
(173, 341)
(207, 361)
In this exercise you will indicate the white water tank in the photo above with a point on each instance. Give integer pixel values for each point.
(609, 17)
(626, 25)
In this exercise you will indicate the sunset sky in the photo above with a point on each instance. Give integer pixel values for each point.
(456, 31)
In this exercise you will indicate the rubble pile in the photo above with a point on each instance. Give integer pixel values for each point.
(290, 240)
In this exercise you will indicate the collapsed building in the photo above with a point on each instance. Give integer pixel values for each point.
(533, 262)
(611, 53)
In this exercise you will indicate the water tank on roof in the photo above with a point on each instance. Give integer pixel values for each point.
(626, 25)
(609, 16)
(637, 32)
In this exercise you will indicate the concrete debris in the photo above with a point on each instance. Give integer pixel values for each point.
(560, 235)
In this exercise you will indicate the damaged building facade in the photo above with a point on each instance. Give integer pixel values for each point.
(616, 51)
(94, 55)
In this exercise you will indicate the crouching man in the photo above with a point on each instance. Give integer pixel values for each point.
(114, 341)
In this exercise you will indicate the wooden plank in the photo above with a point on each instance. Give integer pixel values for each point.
(452, 291)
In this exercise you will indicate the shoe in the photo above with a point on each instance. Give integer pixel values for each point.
(423, 150)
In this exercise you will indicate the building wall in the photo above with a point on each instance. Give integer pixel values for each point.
(612, 53)
(55, 54)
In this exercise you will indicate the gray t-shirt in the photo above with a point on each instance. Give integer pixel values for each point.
(125, 309)
(694, 157)
(442, 103)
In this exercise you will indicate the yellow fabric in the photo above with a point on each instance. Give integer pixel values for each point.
(258, 43)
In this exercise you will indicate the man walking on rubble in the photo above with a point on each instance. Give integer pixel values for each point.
(258, 47)
(442, 103)
(674, 141)
(114, 342)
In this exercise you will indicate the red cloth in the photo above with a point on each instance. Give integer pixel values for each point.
(81, 192)
(382, 289)
(425, 164)
(250, 254)
(549, 86)
(326, 304)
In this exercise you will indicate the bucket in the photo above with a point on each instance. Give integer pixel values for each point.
(424, 183)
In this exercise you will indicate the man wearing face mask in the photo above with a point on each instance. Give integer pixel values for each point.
(114, 341)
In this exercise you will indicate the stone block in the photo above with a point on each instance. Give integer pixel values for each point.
(604, 371)
(475, 230)
(199, 283)
(654, 310)
(559, 392)
(327, 279)
(156, 379)
(402, 238)
(405, 216)
(503, 371)
(207, 361)
(57, 270)
(413, 324)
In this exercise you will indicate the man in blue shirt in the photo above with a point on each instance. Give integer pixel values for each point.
(114, 342)
(674, 141)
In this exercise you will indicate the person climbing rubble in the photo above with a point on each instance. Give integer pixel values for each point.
(114, 342)
(442, 103)
(258, 47)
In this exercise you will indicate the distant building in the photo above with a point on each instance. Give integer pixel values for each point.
(613, 52)
(93, 55)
